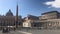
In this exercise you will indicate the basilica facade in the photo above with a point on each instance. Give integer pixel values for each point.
(10, 20)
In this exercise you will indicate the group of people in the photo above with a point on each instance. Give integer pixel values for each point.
(5, 30)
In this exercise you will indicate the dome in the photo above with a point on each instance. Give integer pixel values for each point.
(9, 13)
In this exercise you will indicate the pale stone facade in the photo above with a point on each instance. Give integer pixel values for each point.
(30, 20)
(47, 20)
(9, 20)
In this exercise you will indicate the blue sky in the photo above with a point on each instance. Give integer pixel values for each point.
(33, 7)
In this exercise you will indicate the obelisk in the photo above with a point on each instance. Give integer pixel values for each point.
(17, 16)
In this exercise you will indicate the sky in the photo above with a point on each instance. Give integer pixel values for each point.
(33, 7)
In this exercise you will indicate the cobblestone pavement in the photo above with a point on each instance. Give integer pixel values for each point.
(33, 32)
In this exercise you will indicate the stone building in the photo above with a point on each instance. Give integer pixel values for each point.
(46, 20)
(31, 21)
(50, 19)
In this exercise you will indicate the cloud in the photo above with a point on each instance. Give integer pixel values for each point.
(55, 4)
